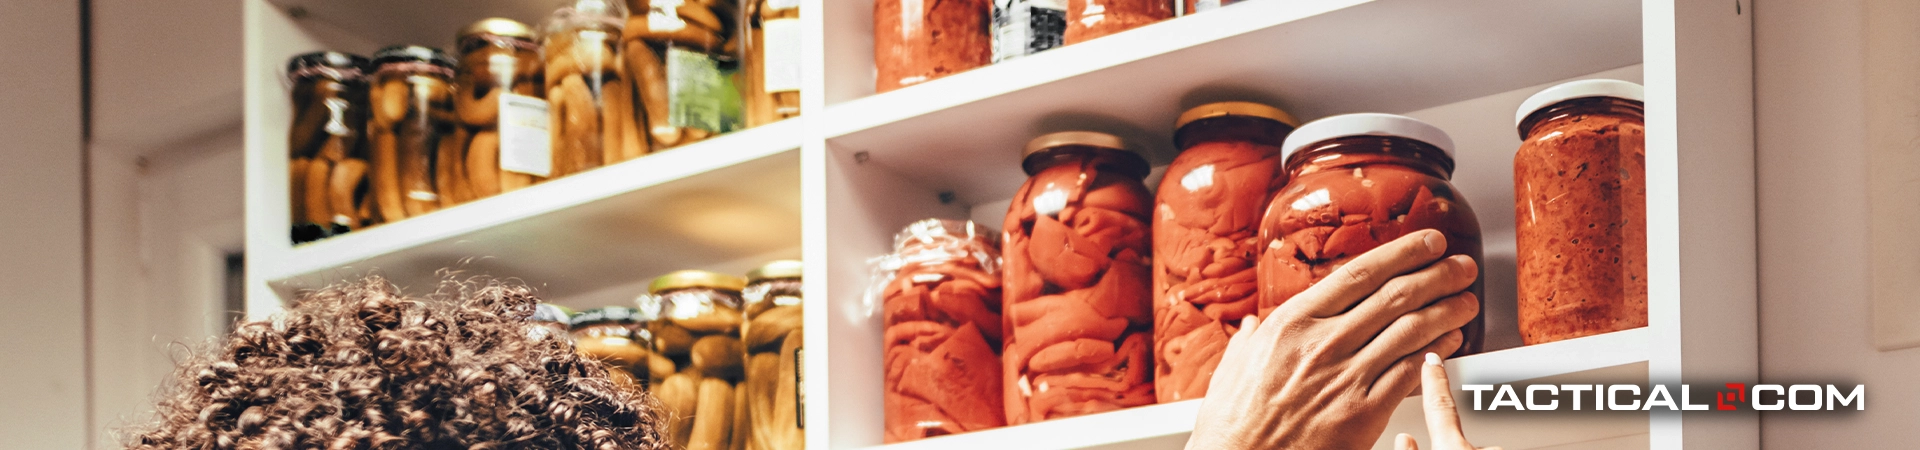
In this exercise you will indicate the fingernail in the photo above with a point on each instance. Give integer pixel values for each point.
(1433, 359)
(1436, 243)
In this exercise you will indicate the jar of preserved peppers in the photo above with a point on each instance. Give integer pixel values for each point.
(497, 56)
(1358, 181)
(327, 144)
(1091, 19)
(916, 41)
(1206, 231)
(413, 129)
(1580, 210)
(770, 64)
(940, 293)
(1078, 280)
(684, 55)
(589, 96)
(773, 340)
(612, 336)
(699, 327)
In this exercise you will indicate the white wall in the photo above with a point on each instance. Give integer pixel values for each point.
(42, 294)
(1814, 302)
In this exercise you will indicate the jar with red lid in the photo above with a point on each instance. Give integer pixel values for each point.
(1078, 283)
(916, 41)
(1090, 19)
(1206, 226)
(1580, 211)
(1358, 181)
(940, 293)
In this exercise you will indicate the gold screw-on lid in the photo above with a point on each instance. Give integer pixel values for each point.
(1249, 109)
(1038, 154)
(785, 268)
(498, 27)
(696, 279)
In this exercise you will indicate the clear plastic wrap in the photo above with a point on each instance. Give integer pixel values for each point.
(772, 335)
(327, 145)
(589, 96)
(414, 131)
(497, 56)
(940, 293)
(698, 330)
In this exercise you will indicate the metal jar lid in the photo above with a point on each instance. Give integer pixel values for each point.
(1249, 109)
(686, 279)
(498, 27)
(1045, 151)
(786, 268)
(413, 53)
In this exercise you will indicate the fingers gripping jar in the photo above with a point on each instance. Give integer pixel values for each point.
(1206, 226)
(699, 327)
(496, 56)
(327, 148)
(940, 290)
(588, 94)
(1090, 19)
(612, 336)
(917, 40)
(773, 339)
(413, 126)
(1078, 281)
(1580, 211)
(1357, 181)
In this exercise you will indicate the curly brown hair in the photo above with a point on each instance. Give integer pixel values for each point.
(361, 366)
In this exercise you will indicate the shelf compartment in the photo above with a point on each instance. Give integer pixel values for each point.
(728, 203)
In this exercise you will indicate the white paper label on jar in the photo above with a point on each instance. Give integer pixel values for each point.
(782, 54)
(1205, 5)
(663, 15)
(526, 145)
(782, 4)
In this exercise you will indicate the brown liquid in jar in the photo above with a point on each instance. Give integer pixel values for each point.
(943, 332)
(1348, 195)
(1206, 242)
(772, 336)
(1090, 19)
(699, 331)
(589, 98)
(1580, 210)
(497, 56)
(327, 145)
(413, 130)
(919, 40)
(653, 32)
(1078, 286)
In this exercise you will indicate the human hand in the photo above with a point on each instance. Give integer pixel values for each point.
(1443, 422)
(1326, 369)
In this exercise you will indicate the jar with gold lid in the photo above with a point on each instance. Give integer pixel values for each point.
(773, 340)
(698, 329)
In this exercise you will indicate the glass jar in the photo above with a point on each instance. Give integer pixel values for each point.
(773, 340)
(611, 335)
(588, 95)
(1199, 6)
(1090, 19)
(940, 293)
(1206, 230)
(1580, 211)
(327, 145)
(551, 320)
(1025, 27)
(698, 328)
(496, 56)
(915, 41)
(684, 55)
(1078, 282)
(770, 64)
(1358, 181)
(413, 125)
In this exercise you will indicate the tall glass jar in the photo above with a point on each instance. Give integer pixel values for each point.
(327, 144)
(684, 54)
(1358, 181)
(496, 56)
(1580, 210)
(916, 41)
(413, 125)
(1078, 280)
(611, 335)
(699, 327)
(773, 340)
(940, 293)
(588, 94)
(1091, 19)
(1206, 230)
(770, 61)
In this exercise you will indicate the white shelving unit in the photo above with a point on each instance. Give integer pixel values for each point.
(834, 185)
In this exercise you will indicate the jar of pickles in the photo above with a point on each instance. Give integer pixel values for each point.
(327, 145)
(1206, 230)
(589, 96)
(611, 335)
(684, 54)
(1078, 281)
(497, 57)
(939, 291)
(770, 64)
(915, 41)
(699, 328)
(1580, 211)
(413, 126)
(1091, 19)
(773, 340)
(1358, 181)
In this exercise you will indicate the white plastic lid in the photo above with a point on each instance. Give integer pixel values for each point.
(1365, 124)
(1579, 89)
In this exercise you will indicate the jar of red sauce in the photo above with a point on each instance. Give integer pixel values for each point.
(1580, 210)
(1090, 19)
(916, 41)
(1358, 181)
(1077, 282)
(1206, 226)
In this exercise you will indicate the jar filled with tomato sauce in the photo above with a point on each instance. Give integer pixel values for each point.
(1580, 211)
(1358, 181)
(1206, 226)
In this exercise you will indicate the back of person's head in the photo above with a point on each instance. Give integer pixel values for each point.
(360, 366)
